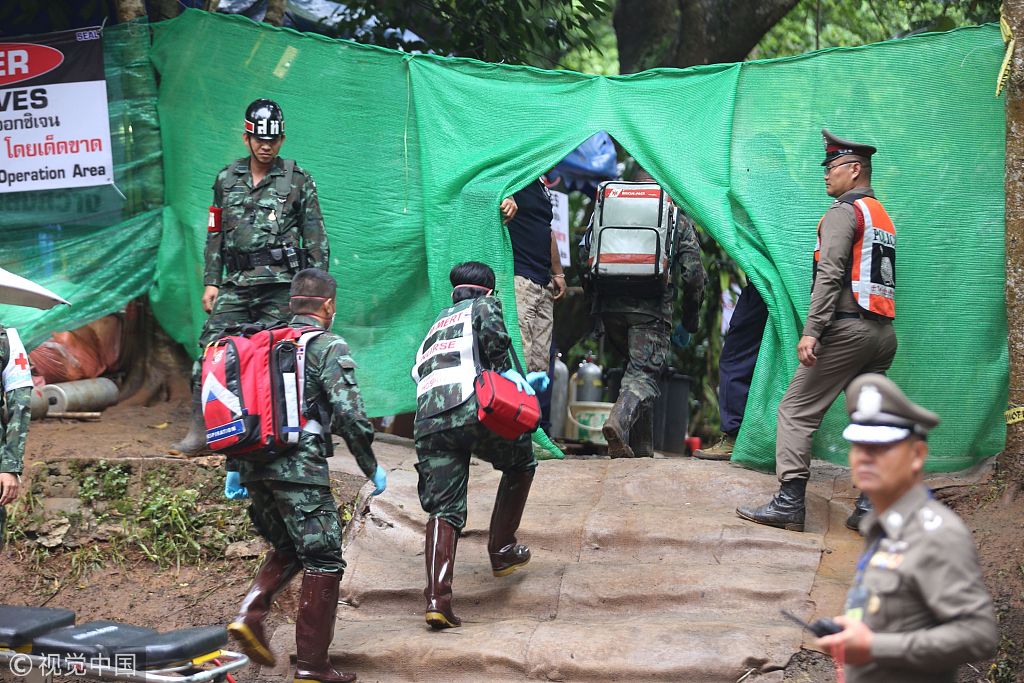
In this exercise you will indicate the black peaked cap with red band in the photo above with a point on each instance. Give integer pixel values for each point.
(836, 147)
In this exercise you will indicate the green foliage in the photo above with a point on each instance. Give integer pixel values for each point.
(176, 525)
(109, 481)
(517, 31)
(815, 24)
(1006, 666)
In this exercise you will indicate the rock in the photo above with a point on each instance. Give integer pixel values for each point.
(51, 532)
(209, 461)
(243, 549)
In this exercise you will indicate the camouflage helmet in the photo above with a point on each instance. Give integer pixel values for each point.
(264, 120)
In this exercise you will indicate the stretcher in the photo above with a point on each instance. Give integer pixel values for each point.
(39, 643)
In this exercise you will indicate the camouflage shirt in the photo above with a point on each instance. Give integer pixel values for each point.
(16, 413)
(687, 267)
(274, 214)
(493, 344)
(331, 396)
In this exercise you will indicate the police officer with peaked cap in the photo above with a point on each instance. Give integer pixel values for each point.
(264, 226)
(848, 330)
(918, 607)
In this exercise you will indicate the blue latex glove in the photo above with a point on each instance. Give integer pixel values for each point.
(520, 381)
(233, 489)
(380, 480)
(539, 381)
(680, 337)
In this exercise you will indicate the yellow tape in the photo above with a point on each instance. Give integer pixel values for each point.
(1014, 415)
(205, 658)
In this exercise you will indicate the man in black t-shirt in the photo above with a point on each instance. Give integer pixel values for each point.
(539, 279)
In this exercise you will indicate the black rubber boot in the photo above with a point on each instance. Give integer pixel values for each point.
(860, 509)
(619, 421)
(641, 434)
(785, 510)
(507, 555)
(195, 440)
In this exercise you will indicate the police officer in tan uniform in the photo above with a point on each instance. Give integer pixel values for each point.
(918, 608)
(848, 330)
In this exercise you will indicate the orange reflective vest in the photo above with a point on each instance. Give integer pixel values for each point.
(872, 258)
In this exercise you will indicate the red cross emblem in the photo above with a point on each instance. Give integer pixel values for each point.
(21, 361)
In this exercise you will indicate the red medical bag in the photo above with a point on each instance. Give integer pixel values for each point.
(252, 385)
(502, 407)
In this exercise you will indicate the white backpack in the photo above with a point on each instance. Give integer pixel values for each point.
(633, 238)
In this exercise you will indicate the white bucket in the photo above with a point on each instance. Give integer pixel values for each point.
(587, 418)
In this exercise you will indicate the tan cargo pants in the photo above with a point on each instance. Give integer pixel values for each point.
(847, 349)
(536, 322)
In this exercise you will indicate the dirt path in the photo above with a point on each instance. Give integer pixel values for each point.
(100, 577)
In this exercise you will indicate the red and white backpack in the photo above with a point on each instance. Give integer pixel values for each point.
(252, 391)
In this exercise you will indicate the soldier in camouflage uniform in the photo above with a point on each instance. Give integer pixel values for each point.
(264, 226)
(292, 506)
(16, 393)
(641, 327)
(447, 432)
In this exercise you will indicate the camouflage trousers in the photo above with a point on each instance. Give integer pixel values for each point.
(644, 340)
(299, 519)
(235, 305)
(444, 466)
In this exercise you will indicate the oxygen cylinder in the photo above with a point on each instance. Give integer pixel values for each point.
(587, 381)
(559, 398)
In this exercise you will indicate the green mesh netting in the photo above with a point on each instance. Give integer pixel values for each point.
(413, 153)
(92, 246)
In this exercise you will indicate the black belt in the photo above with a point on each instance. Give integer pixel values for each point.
(291, 258)
(842, 315)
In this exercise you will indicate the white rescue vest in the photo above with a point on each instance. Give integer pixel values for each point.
(16, 372)
(445, 364)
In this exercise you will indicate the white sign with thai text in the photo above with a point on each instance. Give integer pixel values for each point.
(54, 124)
(560, 225)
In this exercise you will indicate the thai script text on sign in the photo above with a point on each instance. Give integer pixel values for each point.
(54, 125)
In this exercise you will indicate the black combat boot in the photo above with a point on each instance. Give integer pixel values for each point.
(860, 509)
(314, 630)
(641, 434)
(274, 574)
(195, 440)
(442, 539)
(785, 510)
(506, 554)
(619, 421)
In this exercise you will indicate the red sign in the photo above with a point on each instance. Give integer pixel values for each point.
(21, 361)
(22, 61)
(637, 193)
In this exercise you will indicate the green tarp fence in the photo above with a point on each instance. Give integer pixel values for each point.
(412, 155)
(95, 246)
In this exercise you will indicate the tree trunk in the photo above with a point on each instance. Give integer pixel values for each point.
(275, 12)
(681, 33)
(130, 9)
(159, 10)
(1013, 458)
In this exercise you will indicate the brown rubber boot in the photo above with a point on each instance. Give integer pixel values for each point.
(442, 540)
(195, 440)
(507, 555)
(720, 451)
(641, 434)
(247, 629)
(314, 630)
(618, 423)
